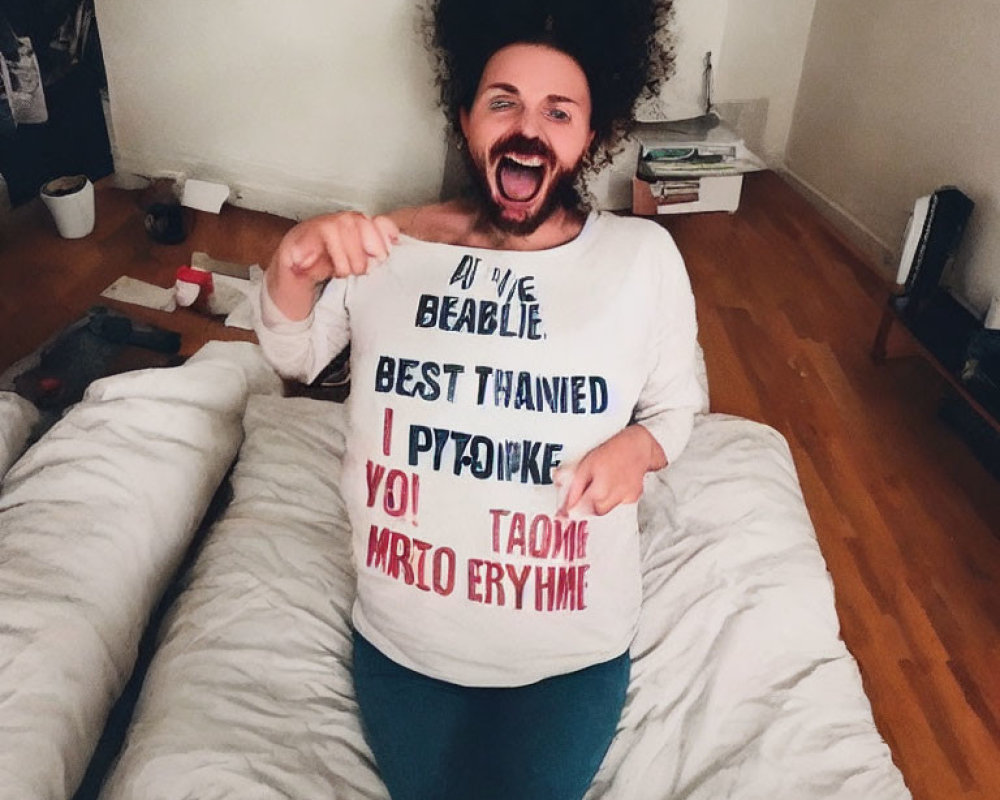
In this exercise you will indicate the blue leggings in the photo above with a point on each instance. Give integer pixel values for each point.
(434, 740)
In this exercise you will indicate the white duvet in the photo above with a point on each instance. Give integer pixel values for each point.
(741, 686)
(17, 416)
(94, 519)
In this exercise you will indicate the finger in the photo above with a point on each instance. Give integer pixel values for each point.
(598, 497)
(581, 481)
(333, 246)
(350, 239)
(604, 502)
(584, 507)
(303, 254)
(600, 504)
(321, 269)
(372, 242)
(562, 477)
(388, 230)
(340, 266)
(297, 259)
(292, 252)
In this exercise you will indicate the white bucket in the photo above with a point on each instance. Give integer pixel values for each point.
(70, 200)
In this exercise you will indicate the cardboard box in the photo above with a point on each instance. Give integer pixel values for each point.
(686, 195)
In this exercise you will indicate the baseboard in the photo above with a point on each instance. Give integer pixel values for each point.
(283, 203)
(297, 205)
(880, 256)
(279, 194)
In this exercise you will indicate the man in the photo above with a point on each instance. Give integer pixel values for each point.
(517, 367)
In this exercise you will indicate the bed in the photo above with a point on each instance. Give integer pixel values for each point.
(741, 685)
(17, 418)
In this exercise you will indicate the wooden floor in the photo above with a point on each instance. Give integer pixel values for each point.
(907, 518)
(47, 282)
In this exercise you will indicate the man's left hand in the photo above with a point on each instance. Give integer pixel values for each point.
(611, 473)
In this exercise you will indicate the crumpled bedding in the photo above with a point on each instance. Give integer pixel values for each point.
(17, 417)
(94, 519)
(249, 694)
(741, 686)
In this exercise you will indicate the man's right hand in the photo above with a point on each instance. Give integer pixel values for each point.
(329, 246)
(335, 245)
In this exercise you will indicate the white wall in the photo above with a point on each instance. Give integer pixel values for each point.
(897, 98)
(302, 105)
(698, 27)
(758, 71)
(757, 47)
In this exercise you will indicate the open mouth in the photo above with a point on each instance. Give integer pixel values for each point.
(520, 177)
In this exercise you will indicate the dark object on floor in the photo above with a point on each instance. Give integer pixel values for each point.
(981, 372)
(101, 344)
(165, 223)
(975, 431)
(121, 330)
(944, 326)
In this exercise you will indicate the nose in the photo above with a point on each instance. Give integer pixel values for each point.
(529, 125)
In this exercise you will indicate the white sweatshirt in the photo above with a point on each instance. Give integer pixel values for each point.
(474, 373)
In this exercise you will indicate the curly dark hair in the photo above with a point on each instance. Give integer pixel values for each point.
(623, 47)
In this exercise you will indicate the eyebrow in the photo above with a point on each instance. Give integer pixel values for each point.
(509, 88)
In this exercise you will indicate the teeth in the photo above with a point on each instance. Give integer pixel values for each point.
(527, 161)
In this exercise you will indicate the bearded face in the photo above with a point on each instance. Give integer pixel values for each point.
(520, 184)
(527, 132)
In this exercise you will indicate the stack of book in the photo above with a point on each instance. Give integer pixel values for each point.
(689, 165)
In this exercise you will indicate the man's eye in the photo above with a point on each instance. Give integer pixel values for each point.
(559, 115)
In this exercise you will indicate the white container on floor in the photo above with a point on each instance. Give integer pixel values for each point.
(70, 200)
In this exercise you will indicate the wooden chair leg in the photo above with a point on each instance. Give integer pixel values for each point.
(879, 346)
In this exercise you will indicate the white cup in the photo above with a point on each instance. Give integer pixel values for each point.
(70, 200)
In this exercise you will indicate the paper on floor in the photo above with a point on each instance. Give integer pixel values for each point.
(204, 195)
(140, 293)
(242, 316)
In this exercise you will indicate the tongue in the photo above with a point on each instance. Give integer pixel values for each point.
(518, 182)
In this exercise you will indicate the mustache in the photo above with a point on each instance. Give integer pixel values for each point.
(522, 145)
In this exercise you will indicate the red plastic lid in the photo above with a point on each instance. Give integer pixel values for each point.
(198, 276)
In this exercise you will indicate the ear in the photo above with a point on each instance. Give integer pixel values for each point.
(463, 120)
